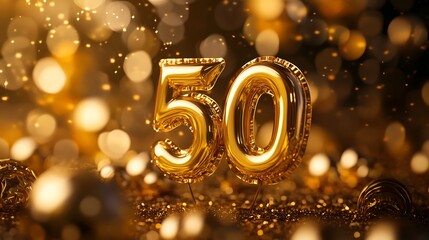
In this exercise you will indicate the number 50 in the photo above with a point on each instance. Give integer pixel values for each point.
(233, 131)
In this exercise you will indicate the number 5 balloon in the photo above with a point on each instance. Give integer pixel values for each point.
(188, 106)
(292, 117)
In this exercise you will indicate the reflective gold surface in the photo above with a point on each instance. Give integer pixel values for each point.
(289, 90)
(197, 111)
(16, 181)
(276, 77)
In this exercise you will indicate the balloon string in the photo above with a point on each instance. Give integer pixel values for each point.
(256, 195)
(192, 193)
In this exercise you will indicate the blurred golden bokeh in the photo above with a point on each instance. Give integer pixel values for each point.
(78, 83)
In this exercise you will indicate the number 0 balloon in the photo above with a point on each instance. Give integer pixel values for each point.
(292, 116)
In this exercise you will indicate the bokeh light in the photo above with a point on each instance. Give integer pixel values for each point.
(41, 125)
(403, 30)
(90, 206)
(353, 46)
(328, 62)
(138, 66)
(63, 41)
(399, 30)
(145, 39)
(66, 150)
(49, 76)
(107, 172)
(296, 10)
(349, 158)
(213, 46)
(173, 19)
(267, 10)
(23, 148)
(170, 227)
(314, 31)
(92, 22)
(425, 93)
(308, 231)
(267, 43)
(319, 164)
(50, 193)
(137, 164)
(382, 230)
(23, 27)
(89, 4)
(91, 114)
(394, 136)
(150, 178)
(193, 224)
(117, 15)
(115, 143)
(362, 171)
(170, 34)
(419, 163)
(338, 33)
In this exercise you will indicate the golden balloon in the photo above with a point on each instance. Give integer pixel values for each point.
(189, 107)
(287, 86)
(280, 79)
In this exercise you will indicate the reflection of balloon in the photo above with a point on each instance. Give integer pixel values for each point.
(291, 96)
(190, 108)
